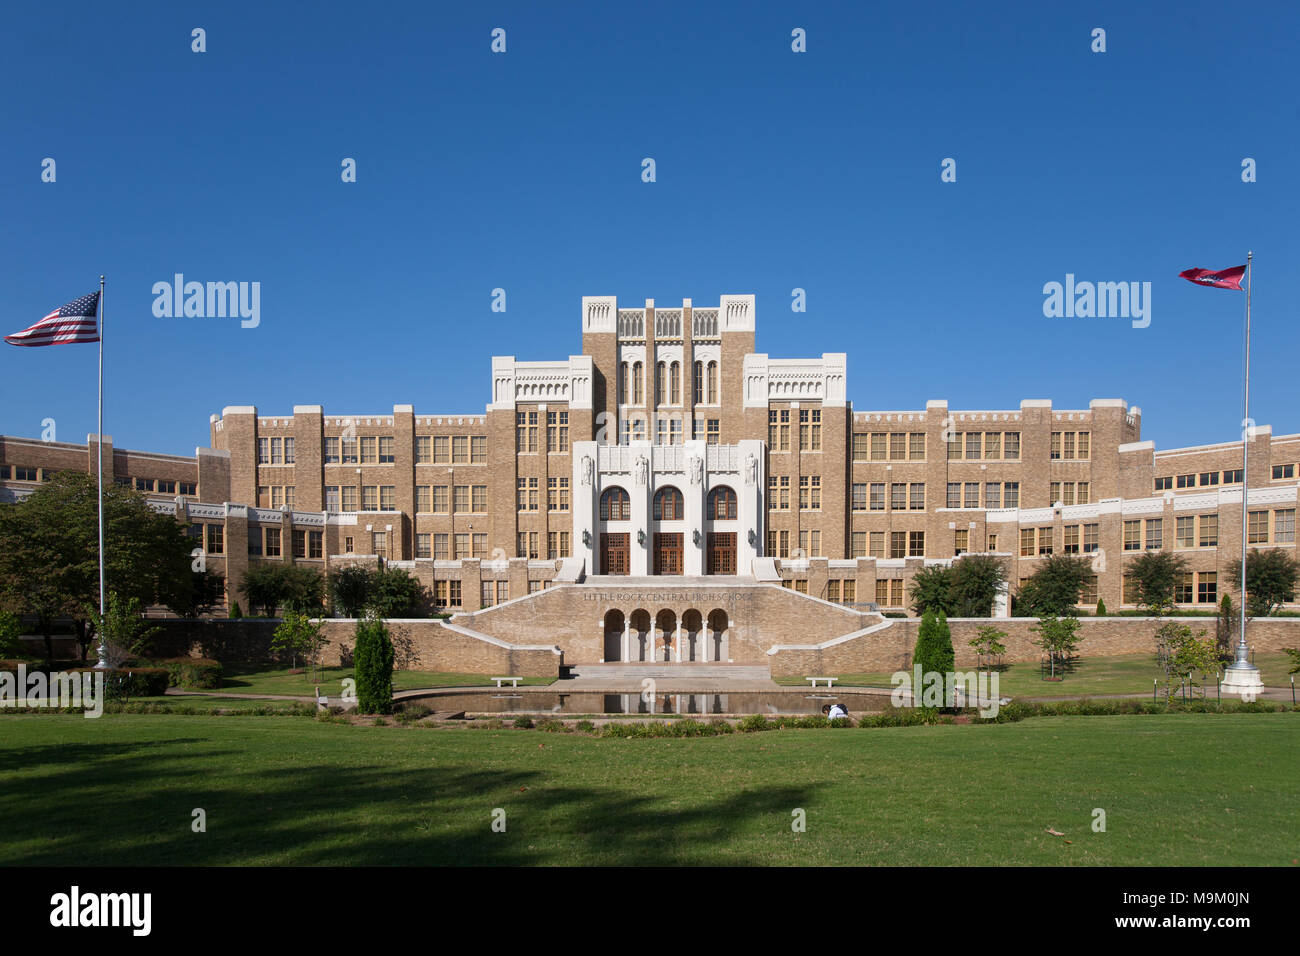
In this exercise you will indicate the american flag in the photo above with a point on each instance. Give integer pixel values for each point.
(74, 322)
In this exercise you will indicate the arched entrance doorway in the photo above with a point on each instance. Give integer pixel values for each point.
(642, 648)
(693, 636)
(718, 649)
(666, 631)
(614, 622)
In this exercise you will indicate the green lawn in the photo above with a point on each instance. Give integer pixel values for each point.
(121, 790)
(1127, 674)
(270, 679)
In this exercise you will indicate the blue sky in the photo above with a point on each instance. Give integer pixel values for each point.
(522, 170)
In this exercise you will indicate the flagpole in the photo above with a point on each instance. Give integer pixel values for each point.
(1241, 675)
(103, 662)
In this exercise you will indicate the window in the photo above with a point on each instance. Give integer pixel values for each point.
(1130, 594)
(622, 384)
(858, 496)
(368, 451)
(486, 589)
(1207, 587)
(1026, 542)
(525, 432)
(503, 591)
(1011, 445)
(523, 486)
(1090, 535)
(916, 544)
(992, 543)
(349, 446)
(1070, 539)
(722, 504)
(1186, 481)
(713, 383)
(299, 543)
(993, 495)
(992, 445)
(858, 544)
(189, 488)
(1011, 494)
(675, 383)
(166, 487)
(877, 544)
(141, 484)
(557, 431)
(879, 446)
(369, 497)
(216, 539)
(1155, 533)
(1165, 484)
(347, 544)
(441, 547)
(331, 497)
(916, 446)
(1209, 478)
(638, 382)
(898, 544)
(697, 384)
(387, 450)
(954, 494)
(272, 542)
(423, 449)
(960, 541)
(423, 499)
(916, 496)
(972, 497)
(379, 543)
(833, 591)
(1184, 586)
(1185, 532)
(1283, 471)
(1088, 593)
(349, 497)
(810, 542)
(1209, 531)
(460, 543)
(861, 446)
(778, 429)
(897, 496)
(810, 492)
(264, 451)
(709, 429)
(778, 493)
(442, 450)
(480, 545)
(423, 547)
(615, 505)
(877, 496)
(478, 449)
(460, 497)
(973, 446)
(441, 499)
(557, 494)
(1132, 535)
(661, 384)
(1044, 540)
(669, 505)
(1232, 476)
(1284, 526)
(1257, 528)
(331, 452)
(810, 429)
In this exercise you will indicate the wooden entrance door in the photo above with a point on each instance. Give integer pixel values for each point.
(668, 553)
(722, 552)
(615, 553)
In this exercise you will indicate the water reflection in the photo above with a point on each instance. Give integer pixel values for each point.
(701, 705)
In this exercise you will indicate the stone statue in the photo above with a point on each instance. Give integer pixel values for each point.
(588, 468)
(751, 470)
(642, 469)
(696, 468)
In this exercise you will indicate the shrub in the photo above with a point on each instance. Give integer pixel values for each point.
(752, 723)
(235, 613)
(373, 660)
(551, 725)
(1101, 607)
(585, 727)
(198, 672)
(523, 723)
(123, 682)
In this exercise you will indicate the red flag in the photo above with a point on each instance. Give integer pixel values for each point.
(1226, 279)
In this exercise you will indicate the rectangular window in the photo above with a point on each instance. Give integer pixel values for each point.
(1044, 540)
(189, 488)
(1232, 477)
(1209, 531)
(877, 544)
(1155, 533)
(1257, 528)
(272, 540)
(1185, 532)
(460, 449)
(1283, 471)
(859, 496)
(954, 494)
(1011, 446)
(387, 497)
(1085, 449)
(486, 591)
(1284, 526)
(897, 446)
(1090, 536)
(810, 493)
(441, 449)
(1056, 446)
(1186, 481)
(1165, 484)
(478, 499)
(423, 546)
(993, 495)
(441, 546)
(423, 449)
(349, 497)
(460, 542)
(369, 497)
(879, 447)
(277, 451)
(898, 544)
(441, 499)
(349, 454)
(299, 543)
(216, 539)
(1085, 493)
(331, 452)
(423, 499)
(972, 497)
(916, 496)
(992, 543)
(960, 541)
(898, 496)
(858, 544)
(1088, 593)
(861, 446)
(810, 429)
(1184, 587)
(332, 498)
(1070, 539)
(1207, 587)
(833, 591)
(460, 497)
(479, 544)
(992, 445)
(973, 446)
(1132, 535)
(264, 451)
(1026, 542)
(478, 449)
(877, 496)
(916, 544)
(277, 496)
(1209, 478)
(916, 446)
(315, 544)
(387, 450)
(1011, 494)
(368, 451)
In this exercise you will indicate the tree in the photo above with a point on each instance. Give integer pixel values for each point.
(931, 590)
(1225, 628)
(987, 642)
(124, 630)
(1154, 576)
(975, 582)
(1053, 589)
(1188, 654)
(933, 652)
(394, 593)
(269, 585)
(299, 634)
(373, 660)
(1271, 576)
(349, 589)
(205, 591)
(49, 553)
(11, 629)
(1101, 608)
(1058, 637)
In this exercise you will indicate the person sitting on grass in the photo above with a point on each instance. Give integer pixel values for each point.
(835, 710)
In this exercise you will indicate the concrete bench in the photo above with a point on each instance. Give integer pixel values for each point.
(514, 681)
(829, 680)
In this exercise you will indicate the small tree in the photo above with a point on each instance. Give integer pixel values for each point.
(1058, 637)
(1154, 576)
(1271, 576)
(373, 659)
(1188, 655)
(124, 630)
(1225, 629)
(235, 613)
(974, 584)
(299, 634)
(395, 594)
(931, 590)
(1101, 608)
(1053, 589)
(988, 644)
(933, 652)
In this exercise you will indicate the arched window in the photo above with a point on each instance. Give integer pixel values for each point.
(713, 383)
(675, 384)
(661, 393)
(637, 373)
(669, 505)
(697, 392)
(615, 505)
(622, 384)
(722, 504)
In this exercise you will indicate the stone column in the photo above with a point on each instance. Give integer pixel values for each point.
(627, 637)
(702, 641)
(677, 640)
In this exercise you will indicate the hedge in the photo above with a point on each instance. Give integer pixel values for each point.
(123, 682)
(192, 672)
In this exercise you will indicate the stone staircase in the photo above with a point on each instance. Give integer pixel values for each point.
(663, 671)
